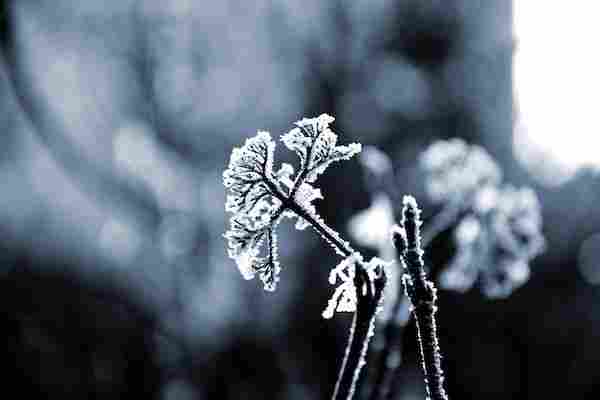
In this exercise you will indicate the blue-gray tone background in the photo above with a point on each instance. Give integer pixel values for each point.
(117, 120)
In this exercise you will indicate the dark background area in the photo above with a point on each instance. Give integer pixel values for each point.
(117, 120)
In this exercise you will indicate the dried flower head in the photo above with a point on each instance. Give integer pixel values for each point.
(259, 198)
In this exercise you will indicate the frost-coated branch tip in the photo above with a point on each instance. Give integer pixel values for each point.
(422, 295)
(411, 221)
(410, 202)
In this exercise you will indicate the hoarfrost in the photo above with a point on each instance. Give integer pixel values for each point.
(259, 198)
(316, 146)
(344, 297)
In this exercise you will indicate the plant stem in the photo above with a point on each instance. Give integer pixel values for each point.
(331, 236)
(390, 358)
(422, 294)
(360, 332)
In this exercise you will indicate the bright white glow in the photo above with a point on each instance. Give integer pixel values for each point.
(557, 85)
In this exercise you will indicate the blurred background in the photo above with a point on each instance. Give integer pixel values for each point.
(117, 119)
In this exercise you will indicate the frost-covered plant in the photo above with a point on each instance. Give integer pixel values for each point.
(368, 283)
(455, 172)
(370, 228)
(497, 232)
(499, 227)
(496, 242)
(259, 198)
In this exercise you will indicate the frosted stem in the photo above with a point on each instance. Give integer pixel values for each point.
(390, 358)
(360, 332)
(422, 294)
(331, 236)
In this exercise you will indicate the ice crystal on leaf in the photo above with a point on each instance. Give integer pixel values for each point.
(248, 173)
(253, 200)
(316, 146)
(245, 241)
(258, 197)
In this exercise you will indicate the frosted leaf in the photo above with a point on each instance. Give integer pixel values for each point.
(248, 173)
(246, 237)
(344, 297)
(259, 198)
(305, 195)
(344, 270)
(268, 267)
(284, 175)
(256, 209)
(245, 262)
(316, 145)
